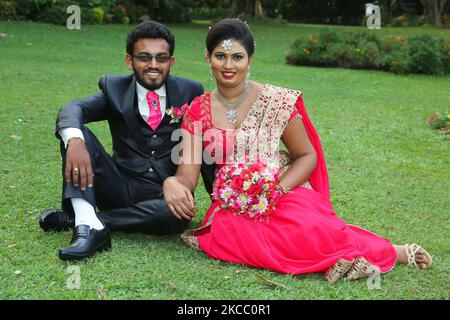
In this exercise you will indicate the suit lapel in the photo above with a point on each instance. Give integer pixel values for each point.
(173, 93)
(128, 106)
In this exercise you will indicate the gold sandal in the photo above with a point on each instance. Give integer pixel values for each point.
(361, 269)
(411, 250)
(338, 270)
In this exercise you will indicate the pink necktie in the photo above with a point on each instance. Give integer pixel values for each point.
(155, 110)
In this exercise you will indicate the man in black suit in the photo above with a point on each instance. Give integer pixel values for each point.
(127, 187)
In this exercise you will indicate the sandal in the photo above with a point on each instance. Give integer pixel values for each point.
(361, 268)
(338, 270)
(411, 250)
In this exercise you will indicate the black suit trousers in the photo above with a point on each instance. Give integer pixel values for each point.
(125, 202)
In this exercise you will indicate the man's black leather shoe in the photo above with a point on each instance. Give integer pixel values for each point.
(86, 241)
(55, 220)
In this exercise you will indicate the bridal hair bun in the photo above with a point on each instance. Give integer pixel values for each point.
(230, 28)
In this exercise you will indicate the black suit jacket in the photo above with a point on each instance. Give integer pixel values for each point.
(134, 151)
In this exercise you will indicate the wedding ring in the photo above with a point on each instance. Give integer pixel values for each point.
(75, 169)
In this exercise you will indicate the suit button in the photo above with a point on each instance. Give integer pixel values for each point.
(150, 170)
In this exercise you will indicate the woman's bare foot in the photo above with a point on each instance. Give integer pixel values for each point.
(402, 256)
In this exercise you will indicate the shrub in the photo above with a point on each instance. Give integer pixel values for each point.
(404, 21)
(87, 16)
(55, 14)
(143, 18)
(7, 10)
(210, 13)
(440, 122)
(109, 18)
(98, 14)
(24, 9)
(367, 55)
(137, 12)
(118, 13)
(365, 50)
(399, 21)
(327, 48)
(445, 49)
(266, 21)
(173, 11)
(426, 55)
(396, 61)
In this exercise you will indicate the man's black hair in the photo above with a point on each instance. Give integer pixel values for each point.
(152, 30)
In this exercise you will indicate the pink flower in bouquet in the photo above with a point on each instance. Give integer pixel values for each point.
(236, 206)
(261, 182)
(226, 193)
(255, 168)
(254, 190)
(237, 183)
(275, 196)
(246, 174)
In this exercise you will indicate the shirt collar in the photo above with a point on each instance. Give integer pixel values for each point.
(142, 92)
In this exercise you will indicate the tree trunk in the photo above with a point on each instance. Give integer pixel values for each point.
(251, 8)
(234, 5)
(259, 12)
(432, 10)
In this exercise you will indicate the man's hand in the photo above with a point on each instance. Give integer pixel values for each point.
(179, 199)
(78, 164)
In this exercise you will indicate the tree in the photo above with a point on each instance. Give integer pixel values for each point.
(252, 8)
(432, 10)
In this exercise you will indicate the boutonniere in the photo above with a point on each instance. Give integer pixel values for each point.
(176, 113)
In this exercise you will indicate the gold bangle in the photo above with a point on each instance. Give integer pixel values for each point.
(283, 189)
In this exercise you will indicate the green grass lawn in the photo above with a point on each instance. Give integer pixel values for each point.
(388, 170)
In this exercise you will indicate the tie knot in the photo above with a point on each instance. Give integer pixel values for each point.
(152, 99)
(152, 95)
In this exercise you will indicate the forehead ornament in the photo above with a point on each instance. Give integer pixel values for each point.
(227, 45)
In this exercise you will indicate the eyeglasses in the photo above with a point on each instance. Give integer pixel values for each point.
(160, 58)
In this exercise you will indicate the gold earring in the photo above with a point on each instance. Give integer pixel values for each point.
(211, 75)
(247, 76)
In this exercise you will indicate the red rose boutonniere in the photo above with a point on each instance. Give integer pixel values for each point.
(176, 113)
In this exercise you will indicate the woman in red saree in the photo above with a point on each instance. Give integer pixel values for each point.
(244, 118)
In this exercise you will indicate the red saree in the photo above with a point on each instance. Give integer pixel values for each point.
(304, 234)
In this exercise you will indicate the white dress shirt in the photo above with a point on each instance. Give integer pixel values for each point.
(67, 133)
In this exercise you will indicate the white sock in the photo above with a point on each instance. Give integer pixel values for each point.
(85, 214)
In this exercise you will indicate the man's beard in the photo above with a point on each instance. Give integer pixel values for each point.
(154, 84)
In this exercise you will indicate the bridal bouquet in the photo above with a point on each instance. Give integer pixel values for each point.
(246, 188)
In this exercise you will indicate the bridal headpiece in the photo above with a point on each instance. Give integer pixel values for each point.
(227, 45)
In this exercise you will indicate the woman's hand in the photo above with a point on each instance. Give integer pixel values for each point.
(179, 199)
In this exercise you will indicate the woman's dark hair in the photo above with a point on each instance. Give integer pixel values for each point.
(152, 30)
(227, 29)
